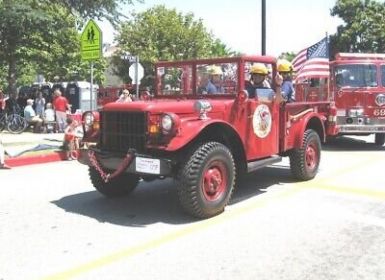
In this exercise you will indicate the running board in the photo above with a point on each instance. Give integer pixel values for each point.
(254, 165)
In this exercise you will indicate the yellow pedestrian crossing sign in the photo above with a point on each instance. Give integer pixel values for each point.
(91, 41)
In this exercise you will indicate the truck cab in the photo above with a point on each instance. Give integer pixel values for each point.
(357, 88)
(205, 129)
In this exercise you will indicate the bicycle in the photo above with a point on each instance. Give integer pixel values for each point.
(14, 123)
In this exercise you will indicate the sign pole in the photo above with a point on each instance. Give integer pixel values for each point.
(136, 76)
(91, 41)
(92, 84)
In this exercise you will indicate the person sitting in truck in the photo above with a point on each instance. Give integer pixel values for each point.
(214, 84)
(258, 79)
(125, 97)
(285, 80)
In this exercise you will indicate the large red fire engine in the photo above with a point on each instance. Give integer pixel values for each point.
(203, 140)
(357, 88)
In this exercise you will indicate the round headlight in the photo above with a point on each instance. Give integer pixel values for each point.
(167, 123)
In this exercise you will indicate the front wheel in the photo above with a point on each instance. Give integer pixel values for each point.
(304, 161)
(379, 139)
(16, 124)
(122, 185)
(206, 180)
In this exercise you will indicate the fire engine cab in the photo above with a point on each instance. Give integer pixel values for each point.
(204, 129)
(357, 87)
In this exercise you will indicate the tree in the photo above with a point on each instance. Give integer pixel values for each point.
(287, 55)
(108, 9)
(164, 34)
(43, 37)
(363, 29)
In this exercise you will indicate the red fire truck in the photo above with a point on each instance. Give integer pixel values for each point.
(203, 140)
(357, 88)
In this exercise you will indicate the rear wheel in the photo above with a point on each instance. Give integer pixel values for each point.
(379, 139)
(304, 161)
(206, 180)
(118, 186)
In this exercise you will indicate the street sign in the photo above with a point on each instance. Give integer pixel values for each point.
(132, 72)
(91, 41)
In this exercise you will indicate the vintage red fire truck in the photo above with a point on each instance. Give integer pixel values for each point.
(357, 88)
(204, 140)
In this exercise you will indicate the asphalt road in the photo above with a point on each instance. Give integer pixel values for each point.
(54, 225)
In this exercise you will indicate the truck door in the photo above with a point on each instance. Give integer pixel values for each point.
(263, 123)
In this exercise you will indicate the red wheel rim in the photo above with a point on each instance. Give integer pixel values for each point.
(214, 180)
(311, 156)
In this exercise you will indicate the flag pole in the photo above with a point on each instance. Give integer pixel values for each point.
(263, 27)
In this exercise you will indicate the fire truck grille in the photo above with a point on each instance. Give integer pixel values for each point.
(121, 131)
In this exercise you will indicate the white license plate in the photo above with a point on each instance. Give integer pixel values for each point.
(147, 165)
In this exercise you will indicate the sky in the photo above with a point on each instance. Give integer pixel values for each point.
(290, 25)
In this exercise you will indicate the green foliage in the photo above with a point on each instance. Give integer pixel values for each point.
(165, 34)
(287, 55)
(42, 37)
(363, 29)
(108, 9)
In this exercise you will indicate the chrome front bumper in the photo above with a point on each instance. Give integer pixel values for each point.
(141, 164)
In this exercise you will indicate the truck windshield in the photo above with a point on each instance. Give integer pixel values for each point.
(219, 78)
(356, 75)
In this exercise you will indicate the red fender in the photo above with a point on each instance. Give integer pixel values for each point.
(189, 129)
(299, 126)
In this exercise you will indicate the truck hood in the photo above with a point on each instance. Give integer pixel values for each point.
(165, 105)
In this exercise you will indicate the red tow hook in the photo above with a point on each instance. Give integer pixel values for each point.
(108, 176)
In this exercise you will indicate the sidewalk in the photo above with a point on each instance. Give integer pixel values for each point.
(32, 148)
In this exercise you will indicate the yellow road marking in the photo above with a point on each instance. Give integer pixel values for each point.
(349, 190)
(172, 236)
(135, 250)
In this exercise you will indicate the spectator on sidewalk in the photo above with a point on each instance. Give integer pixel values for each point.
(31, 117)
(60, 105)
(39, 104)
(3, 101)
(2, 157)
(49, 119)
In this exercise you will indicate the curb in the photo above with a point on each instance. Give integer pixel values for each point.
(36, 159)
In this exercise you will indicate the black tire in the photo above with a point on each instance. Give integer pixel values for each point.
(16, 124)
(118, 186)
(304, 161)
(379, 139)
(211, 162)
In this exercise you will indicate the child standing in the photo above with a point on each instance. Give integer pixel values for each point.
(71, 139)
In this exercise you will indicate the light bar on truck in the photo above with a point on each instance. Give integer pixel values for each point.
(347, 56)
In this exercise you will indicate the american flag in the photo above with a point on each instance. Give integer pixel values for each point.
(312, 62)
